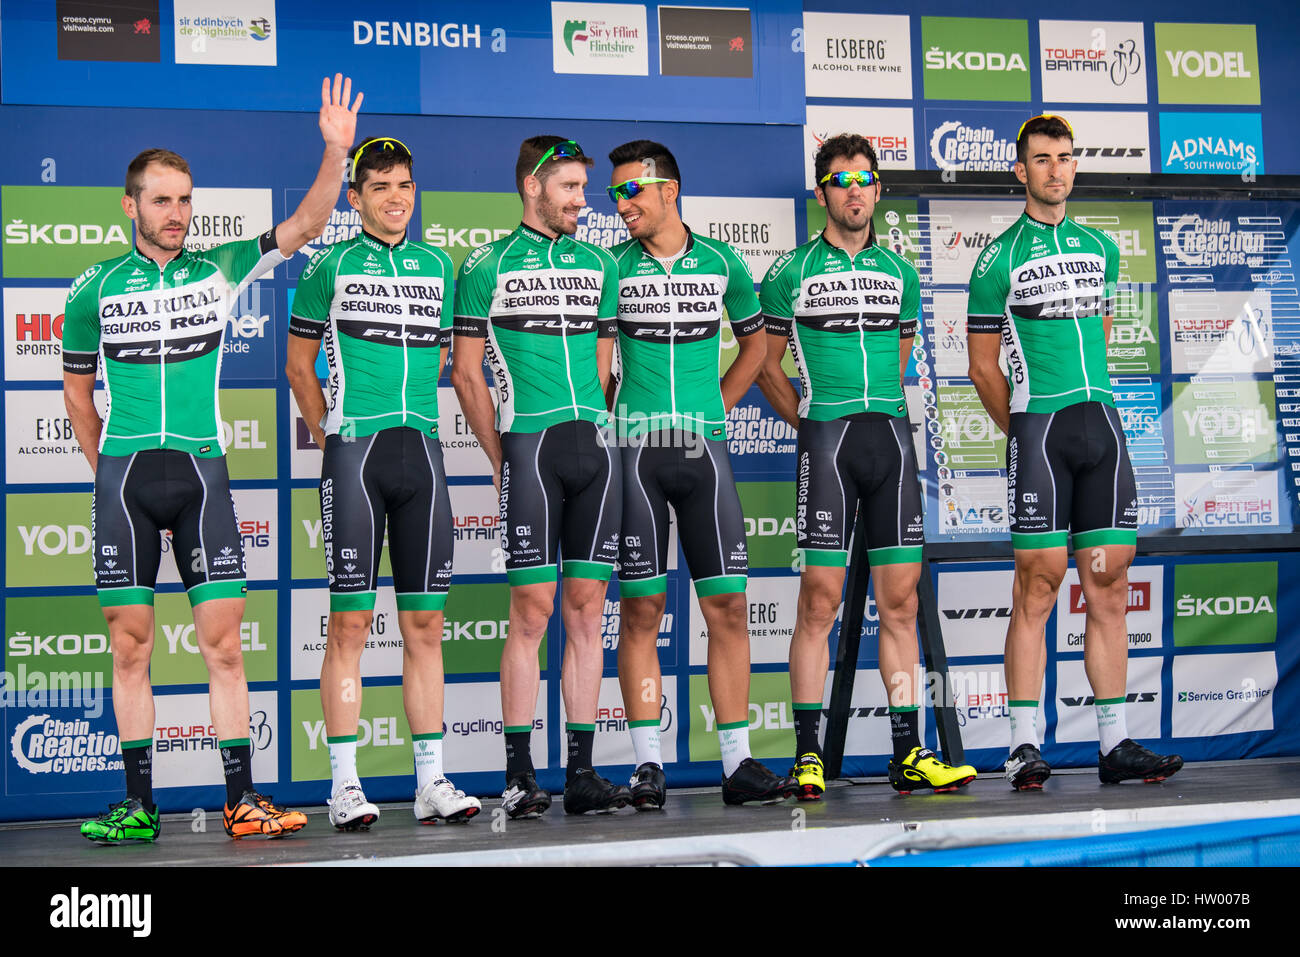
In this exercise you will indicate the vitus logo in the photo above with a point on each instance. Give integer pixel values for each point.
(965, 614)
(1087, 701)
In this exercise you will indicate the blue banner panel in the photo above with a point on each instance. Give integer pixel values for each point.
(590, 60)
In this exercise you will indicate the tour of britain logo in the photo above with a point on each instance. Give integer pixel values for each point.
(1085, 61)
(606, 38)
(107, 32)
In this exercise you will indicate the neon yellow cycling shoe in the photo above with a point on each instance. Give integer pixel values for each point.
(810, 775)
(922, 770)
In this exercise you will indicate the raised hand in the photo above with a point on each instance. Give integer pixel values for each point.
(338, 122)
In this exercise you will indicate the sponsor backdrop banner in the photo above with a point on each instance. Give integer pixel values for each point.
(1203, 350)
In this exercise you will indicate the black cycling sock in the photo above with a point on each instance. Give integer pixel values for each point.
(137, 756)
(237, 762)
(807, 724)
(581, 738)
(519, 754)
(904, 730)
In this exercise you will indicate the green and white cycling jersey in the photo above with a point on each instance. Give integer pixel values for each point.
(844, 317)
(670, 334)
(156, 335)
(541, 304)
(380, 310)
(1047, 290)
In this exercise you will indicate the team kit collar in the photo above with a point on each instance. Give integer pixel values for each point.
(690, 244)
(868, 251)
(532, 235)
(1039, 224)
(183, 256)
(377, 244)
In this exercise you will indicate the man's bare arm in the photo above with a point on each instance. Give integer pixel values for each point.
(743, 372)
(79, 399)
(983, 349)
(476, 399)
(774, 384)
(604, 363)
(338, 127)
(300, 367)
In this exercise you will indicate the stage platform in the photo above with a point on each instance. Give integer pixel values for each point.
(856, 820)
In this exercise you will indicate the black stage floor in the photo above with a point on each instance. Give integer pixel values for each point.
(855, 820)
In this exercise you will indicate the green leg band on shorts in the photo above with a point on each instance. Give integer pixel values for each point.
(1105, 536)
(207, 591)
(641, 587)
(807, 705)
(341, 739)
(575, 726)
(596, 571)
(531, 576)
(824, 558)
(517, 728)
(719, 585)
(113, 597)
(1021, 540)
(422, 601)
(732, 725)
(233, 743)
(894, 555)
(352, 601)
(142, 743)
(651, 723)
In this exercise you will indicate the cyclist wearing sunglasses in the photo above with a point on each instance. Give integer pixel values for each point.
(540, 305)
(381, 303)
(153, 321)
(1045, 291)
(671, 414)
(849, 308)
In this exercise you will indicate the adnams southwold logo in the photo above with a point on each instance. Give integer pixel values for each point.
(1222, 143)
(608, 38)
(55, 232)
(975, 59)
(1207, 63)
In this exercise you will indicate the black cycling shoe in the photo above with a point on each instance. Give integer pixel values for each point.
(1129, 761)
(588, 791)
(649, 787)
(1026, 770)
(523, 798)
(754, 782)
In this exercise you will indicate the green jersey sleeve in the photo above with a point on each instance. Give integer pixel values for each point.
(312, 297)
(742, 303)
(909, 310)
(607, 311)
(990, 281)
(474, 288)
(81, 323)
(246, 259)
(777, 295)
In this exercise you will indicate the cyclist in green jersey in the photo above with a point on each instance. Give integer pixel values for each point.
(540, 306)
(1043, 291)
(671, 418)
(152, 322)
(848, 308)
(381, 303)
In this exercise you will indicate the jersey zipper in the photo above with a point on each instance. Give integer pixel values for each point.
(1078, 328)
(405, 357)
(672, 344)
(564, 339)
(862, 344)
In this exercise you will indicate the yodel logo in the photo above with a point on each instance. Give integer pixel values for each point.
(1208, 63)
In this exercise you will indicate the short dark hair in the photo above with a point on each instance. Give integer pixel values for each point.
(377, 160)
(1047, 125)
(656, 158)
(135, 171)
(530, 153)
(842, 146)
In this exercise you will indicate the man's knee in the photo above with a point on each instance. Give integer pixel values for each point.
(348, 630)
